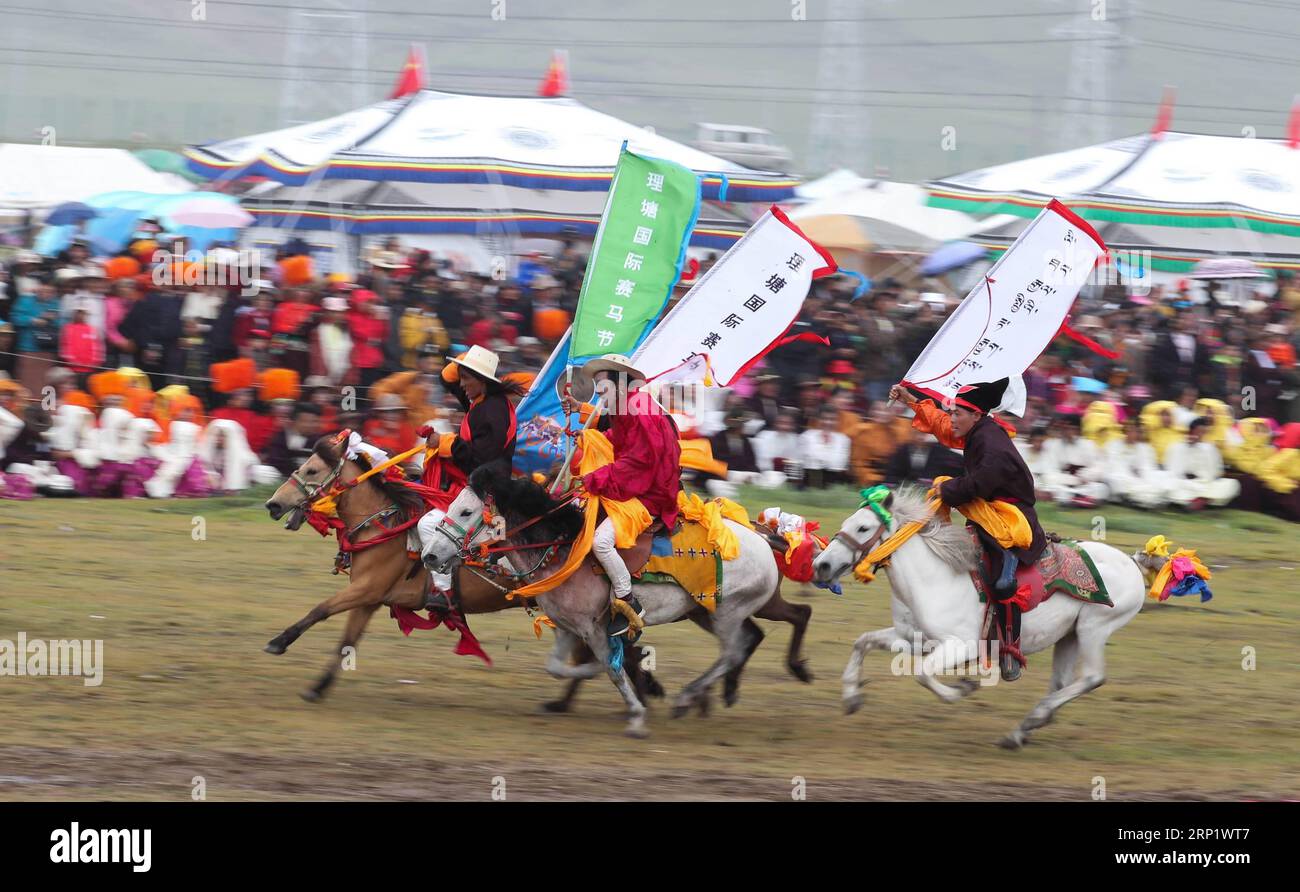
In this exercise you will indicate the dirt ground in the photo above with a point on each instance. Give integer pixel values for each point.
(188, 694)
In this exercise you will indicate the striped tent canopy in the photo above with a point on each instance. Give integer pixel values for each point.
(364, 208)
(431, 136)
(1164, 248)
(1167, 179)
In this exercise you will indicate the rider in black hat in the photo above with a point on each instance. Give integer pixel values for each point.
(994, 472)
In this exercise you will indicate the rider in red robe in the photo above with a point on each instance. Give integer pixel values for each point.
(646, 467)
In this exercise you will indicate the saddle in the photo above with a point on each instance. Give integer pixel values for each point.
(1064, 568)
(639, 554)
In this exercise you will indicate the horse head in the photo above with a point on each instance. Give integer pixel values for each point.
(470, 519)
(308, 482)
(860, 532)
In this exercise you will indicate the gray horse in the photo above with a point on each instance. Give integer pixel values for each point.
(579, 605)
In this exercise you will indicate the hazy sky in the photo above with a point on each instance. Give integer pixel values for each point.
(870, 84)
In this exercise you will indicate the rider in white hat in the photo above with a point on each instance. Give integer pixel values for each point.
(646, 466)
(487, 434)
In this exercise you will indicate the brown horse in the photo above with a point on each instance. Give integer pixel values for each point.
(384, 575)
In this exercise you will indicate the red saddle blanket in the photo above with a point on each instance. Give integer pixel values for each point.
(1064, 568)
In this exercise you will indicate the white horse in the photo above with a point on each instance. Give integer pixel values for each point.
(579, 605)
(934, 602)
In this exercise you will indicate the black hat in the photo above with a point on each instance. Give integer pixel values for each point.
(983, 397)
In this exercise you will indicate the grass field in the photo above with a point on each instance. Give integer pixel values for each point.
(187, 691)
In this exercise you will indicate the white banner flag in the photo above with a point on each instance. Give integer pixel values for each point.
(741, 306)
(1012, 314)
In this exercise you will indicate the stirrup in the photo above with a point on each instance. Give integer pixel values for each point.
(625, 618)
(438, 601)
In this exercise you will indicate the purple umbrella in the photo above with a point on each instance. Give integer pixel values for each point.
(953, 255)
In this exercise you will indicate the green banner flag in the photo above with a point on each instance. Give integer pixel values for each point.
(637, 254)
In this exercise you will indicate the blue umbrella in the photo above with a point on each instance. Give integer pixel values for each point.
(1087, 385)
(70, 213)
(953, 255)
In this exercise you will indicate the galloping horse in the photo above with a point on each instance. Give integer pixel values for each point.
(579, 604)
(935, 598)
(383, 573)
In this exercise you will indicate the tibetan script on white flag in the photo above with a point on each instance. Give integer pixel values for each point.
(1012, 314)
(742, 305)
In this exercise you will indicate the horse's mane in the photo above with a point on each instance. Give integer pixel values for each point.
(948, 541)
(520, 499)
(329, 452)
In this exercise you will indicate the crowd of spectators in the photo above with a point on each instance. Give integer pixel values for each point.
(1186, 396)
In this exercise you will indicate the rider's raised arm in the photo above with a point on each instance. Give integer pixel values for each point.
(933, 420)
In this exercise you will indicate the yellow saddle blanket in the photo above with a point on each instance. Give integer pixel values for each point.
(694, 564)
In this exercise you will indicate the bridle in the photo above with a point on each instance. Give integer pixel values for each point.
(312, 491)
(462, 537)
(859, 549)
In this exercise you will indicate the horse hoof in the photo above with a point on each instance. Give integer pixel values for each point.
(637, 730)
(274, 647)
(311, 695)
(704, 706)
(1013, 741)
(555, 706)
(680, 709)
(852, 704)
(801, 671)
(731, 698)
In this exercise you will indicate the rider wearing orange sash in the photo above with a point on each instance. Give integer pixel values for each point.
(487, 435)
(994, 472)
(646, 469)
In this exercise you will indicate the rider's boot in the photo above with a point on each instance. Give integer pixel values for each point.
(620, 580)
(440, 598)
(1005, 586)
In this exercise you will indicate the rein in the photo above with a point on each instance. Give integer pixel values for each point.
(880, 554)
(320, 500)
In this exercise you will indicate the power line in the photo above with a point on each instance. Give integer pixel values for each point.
(764, 95)
(539, 41)
(618, 20)
(1136, 115)
(1218, 26)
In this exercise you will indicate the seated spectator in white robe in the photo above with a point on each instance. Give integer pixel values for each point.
(1071, 466)
(1133, 473)
(232, 466)
(776, 450)
(181, 473)
(74, 445)
(1194, 468)
(824, 451)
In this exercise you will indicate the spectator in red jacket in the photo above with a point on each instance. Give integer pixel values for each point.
(368, 333)
(81, 346)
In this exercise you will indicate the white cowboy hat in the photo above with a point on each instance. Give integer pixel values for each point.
(387, 260)
(481, 361)
(584, 387)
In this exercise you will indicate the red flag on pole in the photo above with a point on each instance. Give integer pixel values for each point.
(556, 81)
(411, 80)
(1293, 125)
(1165, 116)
